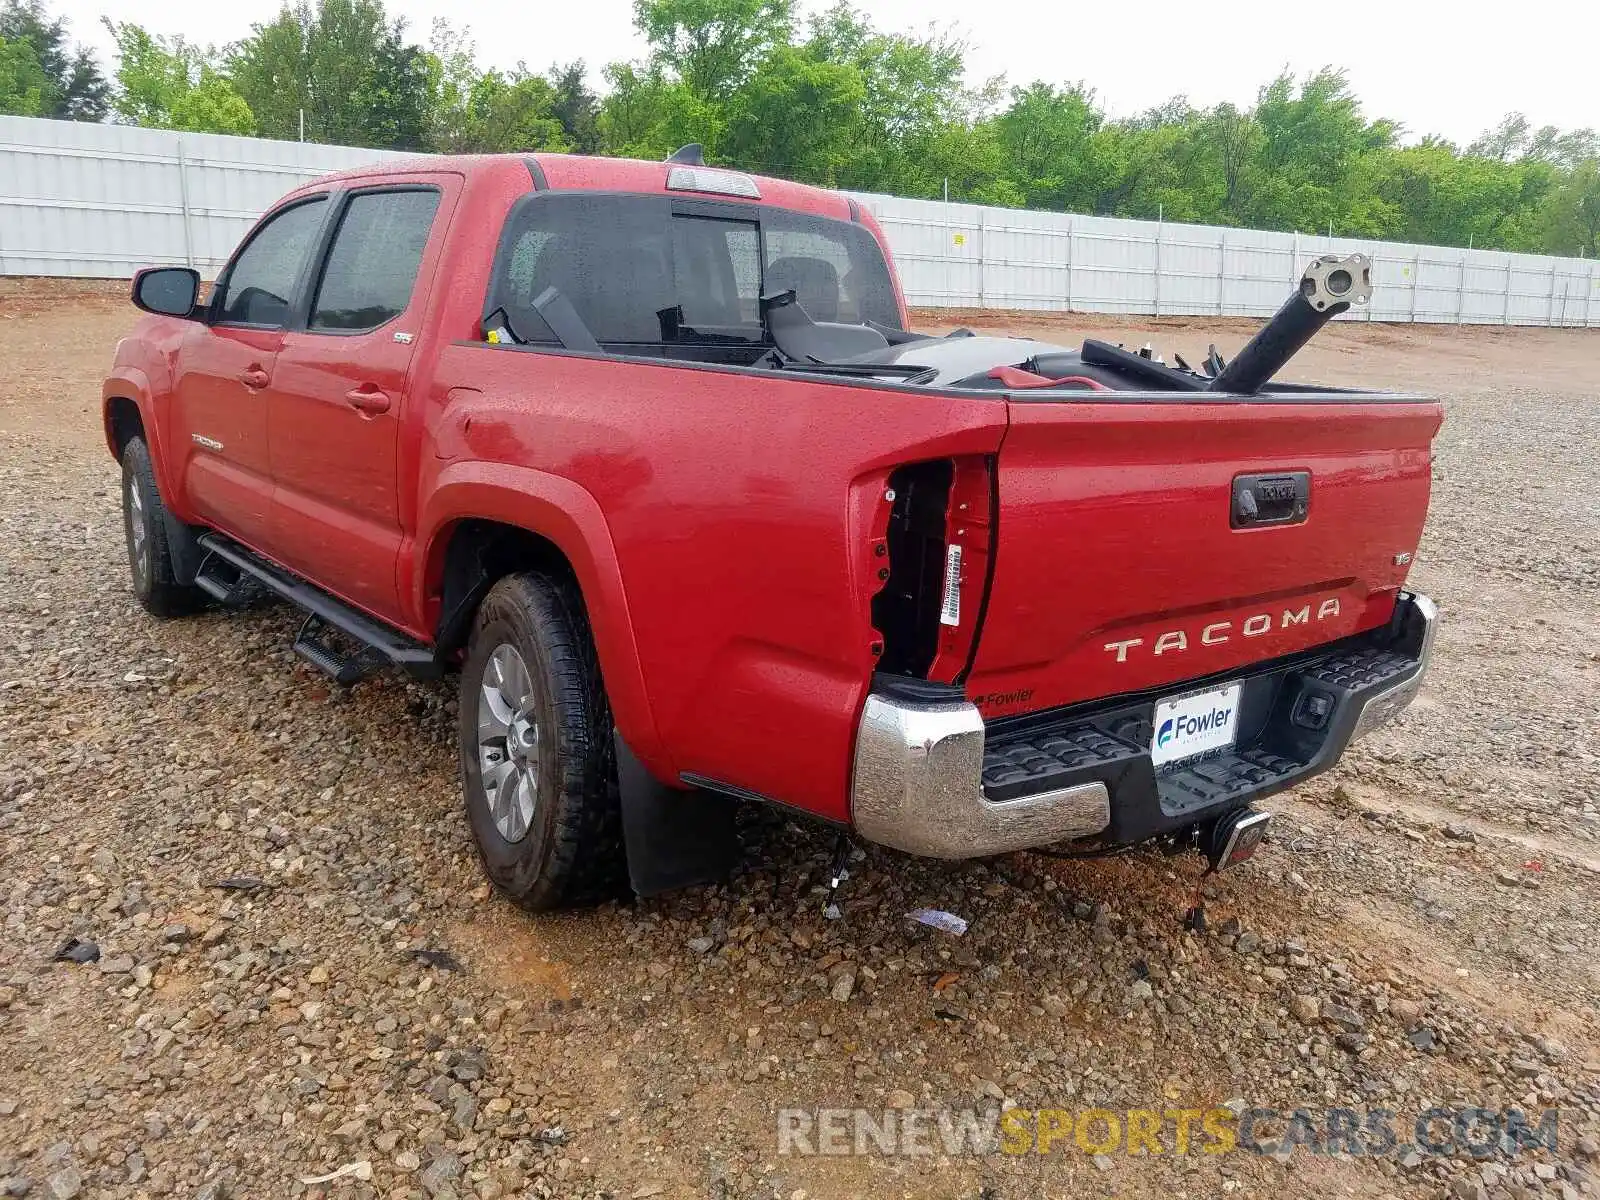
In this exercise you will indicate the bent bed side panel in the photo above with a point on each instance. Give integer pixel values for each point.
(740, 508)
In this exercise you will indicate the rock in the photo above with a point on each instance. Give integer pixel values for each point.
(318, 974)
(1464, 1187)
(1346, 1018)
(1589, 1146)
(1410, 1160)
(1506, 878)
(843, 982)
(119, 964)
(650, 1188)
(440, 1174)
(1141, 990)
(1306, 1009)
(1421, 1038)
(77, 950)
(65, 1183)
(1274, 974)
(176, 935)
(900, 1098)
(15, 1185)
(1406, 1012)
(1249, 941)
(702, 945)
(1103, 1162)
(1459, 833)
(217, 1189)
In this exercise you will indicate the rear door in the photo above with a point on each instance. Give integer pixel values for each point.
(1125, 560)
(343, 390)
(223, 377)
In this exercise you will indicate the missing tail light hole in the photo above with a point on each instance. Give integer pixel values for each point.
(906, 610)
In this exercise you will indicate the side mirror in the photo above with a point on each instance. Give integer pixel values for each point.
(167, 291)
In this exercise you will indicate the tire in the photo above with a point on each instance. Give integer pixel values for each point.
(144, 527)
(538, 766)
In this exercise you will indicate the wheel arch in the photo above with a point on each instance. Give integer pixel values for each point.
(124, 405)
(484, 521)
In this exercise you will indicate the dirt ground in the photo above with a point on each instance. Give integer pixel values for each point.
(1422, 930)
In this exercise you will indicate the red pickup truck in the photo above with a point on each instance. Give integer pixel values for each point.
(647, 454)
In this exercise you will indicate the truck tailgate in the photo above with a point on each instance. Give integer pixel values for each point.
(1121, 562)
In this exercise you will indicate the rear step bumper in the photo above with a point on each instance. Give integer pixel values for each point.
(931, 778)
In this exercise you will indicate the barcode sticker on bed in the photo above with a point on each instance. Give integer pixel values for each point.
(950, 613)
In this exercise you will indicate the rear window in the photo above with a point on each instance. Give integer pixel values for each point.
(657, 270)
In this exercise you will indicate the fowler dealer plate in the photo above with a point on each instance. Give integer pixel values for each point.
(1189, 725)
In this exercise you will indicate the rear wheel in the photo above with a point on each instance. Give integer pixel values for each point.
(537, 762)
(145, 529)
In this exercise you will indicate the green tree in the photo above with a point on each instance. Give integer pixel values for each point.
(794, 117)
(1234, 139)
(712, 46)
(647, 114)
(74, 87)
(507, 113)
(1572, 212)
(576, 106)
(1311, 137)
(168, 83)
(913, 95)
(23, 83)
(343, 65)
(1048, 140)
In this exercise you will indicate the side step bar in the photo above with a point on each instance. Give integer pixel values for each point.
(383, 646)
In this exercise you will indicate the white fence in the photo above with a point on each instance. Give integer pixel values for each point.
(967, 256)
(102, 200)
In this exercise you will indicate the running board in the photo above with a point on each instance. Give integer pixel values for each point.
(384, 646)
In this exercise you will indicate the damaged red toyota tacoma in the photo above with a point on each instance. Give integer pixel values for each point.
(647, 455)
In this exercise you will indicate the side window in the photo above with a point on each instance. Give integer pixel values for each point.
(260, 285)
(373, 262)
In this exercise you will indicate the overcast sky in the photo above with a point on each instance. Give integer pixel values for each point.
(1437, 67)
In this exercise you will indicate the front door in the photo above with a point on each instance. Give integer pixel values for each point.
(340, 392)
(223, 375)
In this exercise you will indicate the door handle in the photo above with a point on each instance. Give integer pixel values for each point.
(254, 378)
(368, 400)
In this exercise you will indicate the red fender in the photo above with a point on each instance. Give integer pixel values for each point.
(566, 515)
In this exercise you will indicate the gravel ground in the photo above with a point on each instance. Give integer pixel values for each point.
(1422, 929)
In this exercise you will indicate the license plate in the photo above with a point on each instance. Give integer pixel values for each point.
(1194, 724)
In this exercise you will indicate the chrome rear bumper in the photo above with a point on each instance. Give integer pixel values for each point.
(918, 782)
(919, 788)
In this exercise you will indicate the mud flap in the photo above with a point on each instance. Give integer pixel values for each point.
(183, 546)
(675, 837)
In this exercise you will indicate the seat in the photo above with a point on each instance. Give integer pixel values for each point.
(814, 281)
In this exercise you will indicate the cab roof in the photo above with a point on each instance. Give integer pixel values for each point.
(578, 172)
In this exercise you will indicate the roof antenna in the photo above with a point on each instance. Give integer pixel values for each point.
(692, 155)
